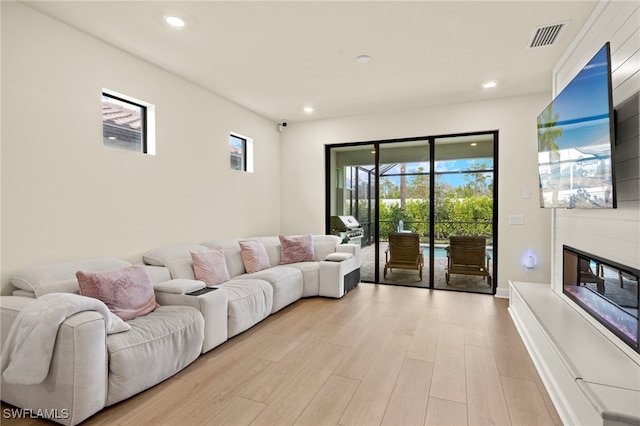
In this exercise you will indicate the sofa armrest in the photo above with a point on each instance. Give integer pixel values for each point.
(178, 286)
(212, 305)
(76, 386)
(354, 249)
(334, 272)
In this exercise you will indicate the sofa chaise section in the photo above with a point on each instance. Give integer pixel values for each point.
(91, 369)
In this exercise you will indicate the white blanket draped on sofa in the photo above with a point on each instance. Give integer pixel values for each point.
(26, 355)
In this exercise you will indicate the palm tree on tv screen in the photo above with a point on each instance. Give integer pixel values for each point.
(548, 132)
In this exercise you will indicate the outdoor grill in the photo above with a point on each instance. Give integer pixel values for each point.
(347, 228)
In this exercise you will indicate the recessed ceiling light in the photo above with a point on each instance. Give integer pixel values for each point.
(308, 109)
(175, 21)
(363, 59)
(489, 84)
(474, 143)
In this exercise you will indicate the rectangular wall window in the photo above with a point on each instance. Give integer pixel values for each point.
(241, 152)
(238, 148)
(127, 123)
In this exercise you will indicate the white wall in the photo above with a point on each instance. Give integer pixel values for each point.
(303, 169)
(612, 234)
(65, 196)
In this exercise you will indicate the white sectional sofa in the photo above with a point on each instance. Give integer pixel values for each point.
(92, 368)
(254, 296)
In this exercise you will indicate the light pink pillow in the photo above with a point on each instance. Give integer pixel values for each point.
(210, 266)
(296, 249)
(254, 256)
(127, 292)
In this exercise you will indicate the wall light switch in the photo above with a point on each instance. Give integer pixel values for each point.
(526, 193)
(516, 219)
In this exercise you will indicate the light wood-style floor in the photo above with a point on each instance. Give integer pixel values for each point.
(381, 355)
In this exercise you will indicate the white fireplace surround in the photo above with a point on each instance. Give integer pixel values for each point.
(590, 378)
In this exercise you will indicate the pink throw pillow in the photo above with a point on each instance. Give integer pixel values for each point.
(127, 292)
(254, 256)
(210, 266)
(296, 249)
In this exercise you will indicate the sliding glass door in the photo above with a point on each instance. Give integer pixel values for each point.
(417, 200)
(404, 217)
(464, 213)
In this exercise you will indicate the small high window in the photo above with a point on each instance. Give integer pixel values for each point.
(241, 153)
(238, 149)
(127, 123)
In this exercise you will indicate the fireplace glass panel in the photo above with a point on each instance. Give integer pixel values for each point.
(606, 290)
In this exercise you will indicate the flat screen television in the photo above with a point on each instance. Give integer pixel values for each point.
(576, 141)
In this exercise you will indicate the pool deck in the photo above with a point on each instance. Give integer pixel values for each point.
(411, 278)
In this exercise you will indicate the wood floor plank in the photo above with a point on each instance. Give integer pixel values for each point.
(543, 392)
(525, 404)
(424, 343)
(486, 403)
(368, 405)
(280, 346)
(241, 411)
(476, 338)
(450, 334)
(356, 306)
(408, 402)
(162, 406)
(291, 402)
(329, 404)
(218, 393)
(120, 412)
(348, 335)
(442, 412)
(219, 363)
(364, 349)
(511, 360)
(269, 385)
(354, 330)
(449, 374)
(406, 321)
(282, 321)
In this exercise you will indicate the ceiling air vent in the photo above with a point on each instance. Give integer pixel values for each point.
(547, 35)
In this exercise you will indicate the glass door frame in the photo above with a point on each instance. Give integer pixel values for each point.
(432, 175)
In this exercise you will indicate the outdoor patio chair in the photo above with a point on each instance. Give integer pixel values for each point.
(622, 275)
(587, 276)
(468, 256)
(403, 252)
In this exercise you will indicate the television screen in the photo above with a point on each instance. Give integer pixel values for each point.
(575, 141)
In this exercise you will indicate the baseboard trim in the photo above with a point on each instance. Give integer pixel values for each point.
(502, 293)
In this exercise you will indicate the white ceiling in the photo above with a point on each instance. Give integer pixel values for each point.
(276, 57)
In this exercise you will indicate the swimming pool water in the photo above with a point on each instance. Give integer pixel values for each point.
(441, 252)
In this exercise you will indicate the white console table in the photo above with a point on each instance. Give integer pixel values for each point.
(590, 380)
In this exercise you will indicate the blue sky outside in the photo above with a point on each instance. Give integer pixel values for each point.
(453, 179)
(583, 106)
(236, 142)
